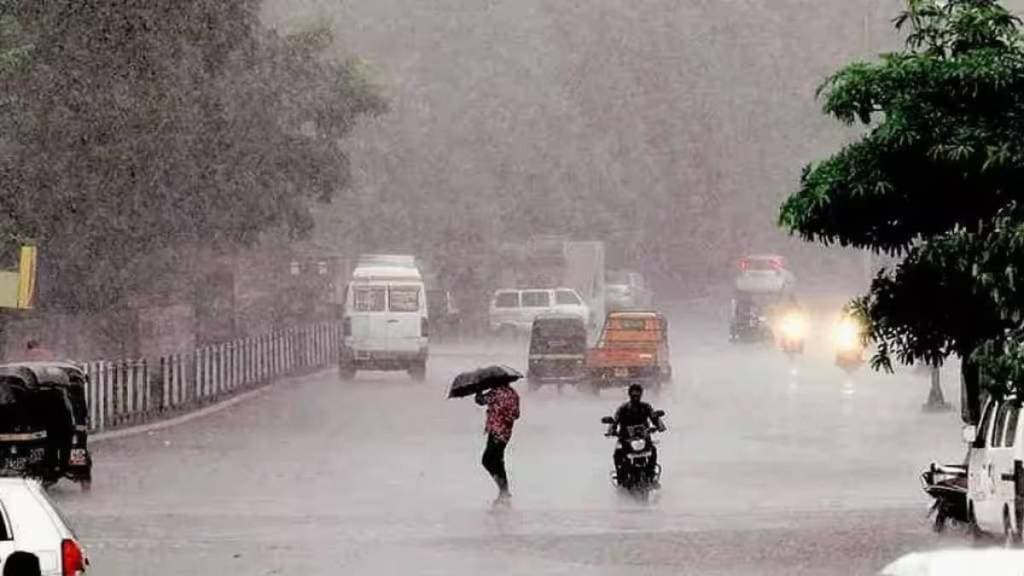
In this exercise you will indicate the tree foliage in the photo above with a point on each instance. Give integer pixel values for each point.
(136, 127)
(935, 181)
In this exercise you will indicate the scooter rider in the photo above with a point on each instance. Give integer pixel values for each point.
(635, 412)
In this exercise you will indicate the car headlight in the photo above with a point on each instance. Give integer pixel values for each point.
(637, 444)
(794, 326)
(848, 335)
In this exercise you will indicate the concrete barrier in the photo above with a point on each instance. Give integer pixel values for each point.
(132, 392)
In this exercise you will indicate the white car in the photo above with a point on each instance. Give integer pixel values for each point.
(515, 309)
(995, 475)
(627, 290)
(983, 562)
(30, 522)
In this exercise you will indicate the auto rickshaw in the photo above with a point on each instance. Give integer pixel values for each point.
(64, 386)
(558, 351)
(23, 430)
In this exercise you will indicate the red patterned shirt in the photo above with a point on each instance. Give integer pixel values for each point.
(502, 411)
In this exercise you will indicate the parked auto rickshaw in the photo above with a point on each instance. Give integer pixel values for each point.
(23, 429)
(63, 386)
(558, 351)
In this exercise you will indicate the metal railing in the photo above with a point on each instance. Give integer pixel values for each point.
(130, 392)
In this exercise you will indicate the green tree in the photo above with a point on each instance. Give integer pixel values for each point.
(935, 181)
(142, 132)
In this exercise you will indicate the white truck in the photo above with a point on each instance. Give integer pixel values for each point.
(385, 325)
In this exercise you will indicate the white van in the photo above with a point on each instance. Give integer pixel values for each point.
(515, 309)
(995, 480)
(385, 325)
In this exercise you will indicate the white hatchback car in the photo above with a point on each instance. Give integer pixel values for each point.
(516, 309)
(30, 522)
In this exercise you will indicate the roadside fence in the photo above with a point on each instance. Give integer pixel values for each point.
(130, 392)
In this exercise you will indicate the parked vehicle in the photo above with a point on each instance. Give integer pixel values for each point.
(515, 310)
(385, 326)
(947, 484)
(558, 351)
(31, 522)
(640, 472)
(633, 348)
(995, 477)
(60, 388)
(627, 290)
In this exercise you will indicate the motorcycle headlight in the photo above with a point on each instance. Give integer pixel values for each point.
(848, 335)
(638, 444)
(794, 326)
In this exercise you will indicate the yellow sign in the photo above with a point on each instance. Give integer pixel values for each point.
(27, 278)
(18, 287)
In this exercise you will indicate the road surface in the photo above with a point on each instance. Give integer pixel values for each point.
(766, 472)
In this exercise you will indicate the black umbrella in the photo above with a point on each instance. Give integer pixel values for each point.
(469, 383)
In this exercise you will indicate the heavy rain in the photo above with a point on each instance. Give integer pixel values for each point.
(511, 287)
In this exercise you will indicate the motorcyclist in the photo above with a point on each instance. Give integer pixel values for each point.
(635, 412)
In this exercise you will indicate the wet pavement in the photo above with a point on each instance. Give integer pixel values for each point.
(770, 468)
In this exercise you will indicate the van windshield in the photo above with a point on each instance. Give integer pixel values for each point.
(369, 299)
(404, 299)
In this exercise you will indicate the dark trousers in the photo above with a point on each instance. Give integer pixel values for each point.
(494, 462)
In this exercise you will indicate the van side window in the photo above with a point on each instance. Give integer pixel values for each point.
(1000, 428)
(369, 299)
(536, 299)
(507, 300)
(1011, 426)
(404, 299)
(567, 298)
(986, 422)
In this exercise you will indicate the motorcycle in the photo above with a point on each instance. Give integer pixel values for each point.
(791, 333)
(640, 473)
(947, 484)
(849, 343)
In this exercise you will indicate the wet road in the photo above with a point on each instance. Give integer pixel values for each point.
(766, 472)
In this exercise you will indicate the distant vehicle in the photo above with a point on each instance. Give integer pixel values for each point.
(31, 522)
(977, 562)
(849, 343)
(995, 476)
(555, 261)
(57, 390)
(751, 314)
(633, 348)
(386, 319)
(558, 351)
(445, 318)
(515, 310)
(627, 290)
(761, 273)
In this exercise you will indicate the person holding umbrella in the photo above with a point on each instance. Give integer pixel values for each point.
(492, 388)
